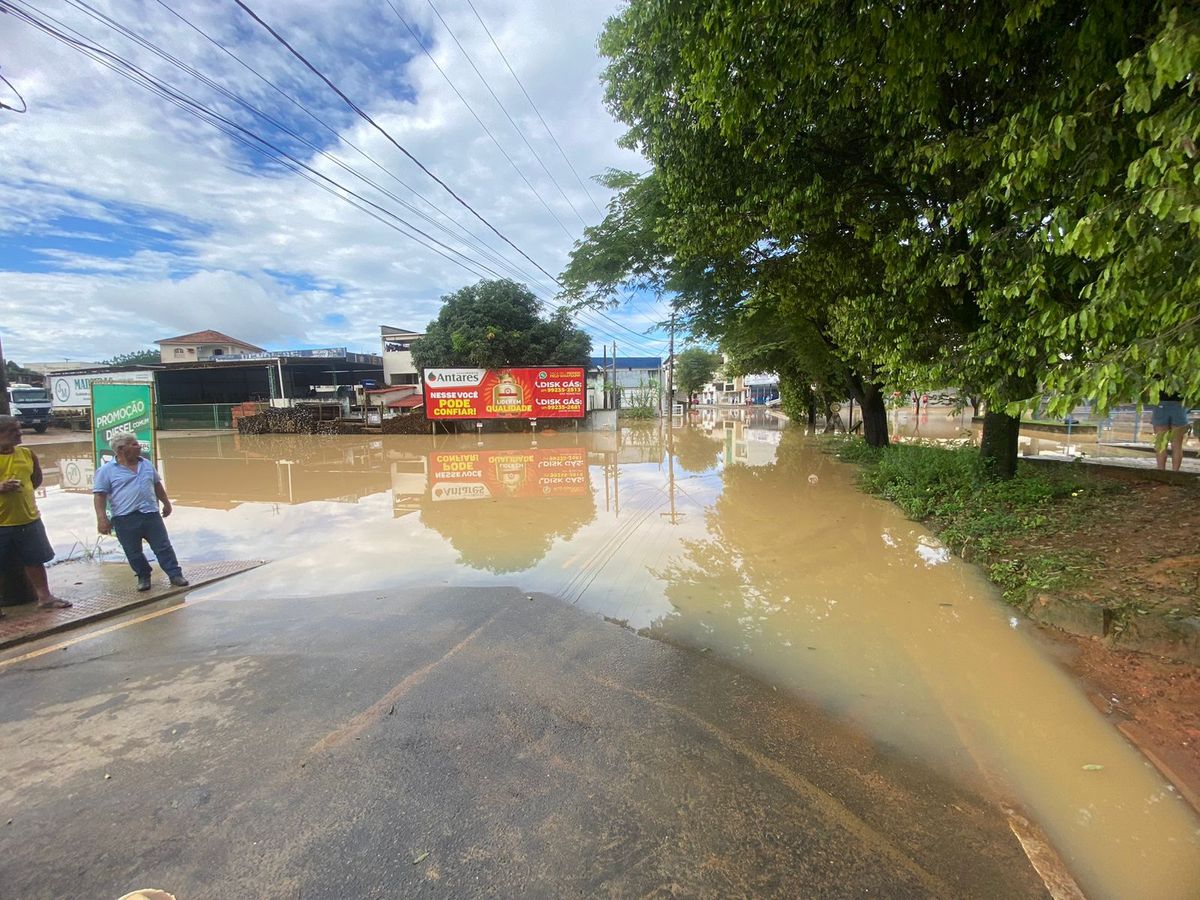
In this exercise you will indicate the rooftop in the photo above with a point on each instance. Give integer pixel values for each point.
(208, 336)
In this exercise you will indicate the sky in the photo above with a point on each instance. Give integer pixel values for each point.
(125, 219)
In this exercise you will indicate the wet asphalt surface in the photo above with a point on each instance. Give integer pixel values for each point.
(457, 743)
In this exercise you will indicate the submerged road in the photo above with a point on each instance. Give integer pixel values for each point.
(454, 742)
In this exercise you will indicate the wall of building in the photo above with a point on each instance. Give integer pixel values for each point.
(181, 353)
(398, 366)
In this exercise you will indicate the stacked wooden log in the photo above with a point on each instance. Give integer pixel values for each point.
(296, 420)
(407, 423)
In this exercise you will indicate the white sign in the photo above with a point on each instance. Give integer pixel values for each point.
(76, 474)
(447, 378)
(76, 390)
(760, 379)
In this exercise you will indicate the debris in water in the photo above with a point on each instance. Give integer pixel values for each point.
(148, 894)
(420, 857)
(813, 479)
(107, 776)
(392, 711)
(529, 597)
(1092, 767)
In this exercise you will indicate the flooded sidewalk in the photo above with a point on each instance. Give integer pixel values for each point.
(732, 538)
(98, 590)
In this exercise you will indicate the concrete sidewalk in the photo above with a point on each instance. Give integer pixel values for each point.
(99, 590)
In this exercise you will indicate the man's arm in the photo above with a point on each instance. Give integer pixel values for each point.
(161, 493)
(102, 524)
(36, 478)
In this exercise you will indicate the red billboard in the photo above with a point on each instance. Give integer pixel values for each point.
(546, 392)
(491, 474)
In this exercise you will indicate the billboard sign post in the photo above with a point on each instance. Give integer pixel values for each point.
(542, 392)
(120, 409)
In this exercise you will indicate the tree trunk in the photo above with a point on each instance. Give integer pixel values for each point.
(999, 445)
(874, 414)
(874, 411)
(812, 413)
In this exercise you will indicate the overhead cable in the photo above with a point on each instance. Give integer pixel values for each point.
(367, 118)
(416, 37)
(521, 134)
(536, 111)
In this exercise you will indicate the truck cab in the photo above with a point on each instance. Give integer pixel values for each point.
(31, 406)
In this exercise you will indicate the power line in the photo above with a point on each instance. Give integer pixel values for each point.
(471, 110)
(139, 76)
(504, 110)
(359, 111)
(244, 136)
(536, 111)
(200, 76)
(472, 238)
(24, 106)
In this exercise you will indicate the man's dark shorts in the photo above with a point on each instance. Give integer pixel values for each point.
(27, 542)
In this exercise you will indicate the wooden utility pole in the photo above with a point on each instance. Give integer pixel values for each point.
(671, 369)
(616, 389)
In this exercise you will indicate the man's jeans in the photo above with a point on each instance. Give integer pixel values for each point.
(132, 528)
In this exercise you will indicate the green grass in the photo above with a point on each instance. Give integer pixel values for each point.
(1017, 530)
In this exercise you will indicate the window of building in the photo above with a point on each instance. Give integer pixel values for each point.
(217, 351)
(179, 351)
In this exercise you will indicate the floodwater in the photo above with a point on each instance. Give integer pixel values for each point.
(732, 536)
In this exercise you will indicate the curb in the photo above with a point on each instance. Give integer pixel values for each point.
(100, 615)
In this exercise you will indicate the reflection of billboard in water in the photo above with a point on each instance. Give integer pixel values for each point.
(483, 474)
(548, 392)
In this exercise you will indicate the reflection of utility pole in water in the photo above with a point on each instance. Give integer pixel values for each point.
(673, 515)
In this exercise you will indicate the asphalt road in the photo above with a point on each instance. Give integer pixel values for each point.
(454, 743)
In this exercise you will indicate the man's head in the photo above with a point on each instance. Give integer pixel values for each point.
(126, 447)
(10, 433)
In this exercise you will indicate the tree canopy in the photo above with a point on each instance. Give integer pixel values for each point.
(498, 323)
(694, 368)
(999, 196)
(145, 357)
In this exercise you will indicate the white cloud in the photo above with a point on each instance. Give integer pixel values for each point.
(95, 147)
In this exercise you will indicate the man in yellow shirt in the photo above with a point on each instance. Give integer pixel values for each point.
(21, 531)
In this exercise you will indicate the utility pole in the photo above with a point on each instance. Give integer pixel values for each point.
(616, 388)
(604, 375)
(4, 407)
(671, 370)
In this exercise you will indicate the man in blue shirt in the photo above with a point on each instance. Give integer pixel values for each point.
(130, 486)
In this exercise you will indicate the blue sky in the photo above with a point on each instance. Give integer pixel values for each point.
(123, 219)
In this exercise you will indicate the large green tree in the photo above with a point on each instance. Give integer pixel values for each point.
(993, 195)
(498, 323)
(694, 368)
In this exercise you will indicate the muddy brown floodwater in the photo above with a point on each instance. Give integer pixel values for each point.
(732, 536)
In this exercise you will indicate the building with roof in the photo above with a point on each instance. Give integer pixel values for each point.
(625, 381)
(398, 366)
(202, 346)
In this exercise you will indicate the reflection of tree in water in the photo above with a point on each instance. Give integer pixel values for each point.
(696, 451)
(507, 535)
(749, 565)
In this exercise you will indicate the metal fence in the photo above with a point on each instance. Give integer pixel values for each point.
(198, 416)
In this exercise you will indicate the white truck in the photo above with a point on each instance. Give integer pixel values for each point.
(31, 405)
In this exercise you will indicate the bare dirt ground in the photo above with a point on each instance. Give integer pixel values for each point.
(1146, 543)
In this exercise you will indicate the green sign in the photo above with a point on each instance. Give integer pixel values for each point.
(120, 409)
